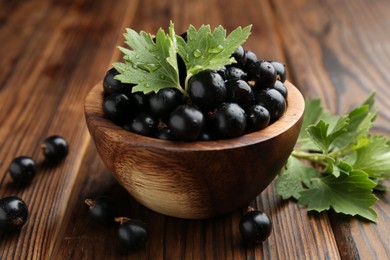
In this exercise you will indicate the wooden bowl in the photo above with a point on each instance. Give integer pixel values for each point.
(194, 180)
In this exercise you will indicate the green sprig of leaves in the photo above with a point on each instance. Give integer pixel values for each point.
(337, 163)
(152, 63)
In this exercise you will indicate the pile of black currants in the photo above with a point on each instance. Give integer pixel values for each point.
(244, 97)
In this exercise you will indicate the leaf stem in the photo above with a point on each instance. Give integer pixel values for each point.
(314, 157)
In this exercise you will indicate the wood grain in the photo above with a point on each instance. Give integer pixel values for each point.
(52, 52)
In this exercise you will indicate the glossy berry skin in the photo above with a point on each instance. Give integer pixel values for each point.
(250, 58)
(239, 56)
(133, 234)
(258, 117)
(22, 169)
(102, 209)
(144, 124)
(280, 69)
(117, 106)
(238, 91)
(162, 103)
(235, 73)
(165, 134)
(255, 227)
(186, 122)
(55, 148)
(273, 101)
(279, 86)
(13, 213)
(139, 101)
(207, 89)
(111, 85)
(229, 120)
(263, 73)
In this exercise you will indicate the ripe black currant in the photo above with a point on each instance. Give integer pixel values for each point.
(132, 233)
(239, 91)
(207, 89)
(235, 73)
(228, 120)
(102, 209)
(111, 85)
(255, 226)
(186, 122)
(117, 107)
(165, 134)
(144, 124)
(279, 86)
(250, 58)
(280, 70)
(258, 117)
(273, 101)
(22, 169)
(239, 56)
(164, 101)
(263, 73)
(55, 148)
(13, 213)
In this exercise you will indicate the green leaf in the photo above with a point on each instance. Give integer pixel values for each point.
(206, 49)
(323, 137)
(373, 156)
(294, 178)
(150, 65)
(347, 194)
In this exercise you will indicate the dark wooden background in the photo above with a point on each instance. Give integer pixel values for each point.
(53, 51)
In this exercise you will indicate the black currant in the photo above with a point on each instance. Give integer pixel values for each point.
(239, 56)
(255, 226)
(263, 73)
(207, 89)
(273, 101)
(258, 117)
(162, 103)
(144, 124)
(139, 101)
(13, 213)
(186, 122)
(279, 86)
(280, 70)
(239, 91)
(132, 233)
(235, 73)
(111, 85)
(117, 107)
(250, 58)
(165, 134)
(55, 148)
(228, 120)
(22, 169)
(102, 209)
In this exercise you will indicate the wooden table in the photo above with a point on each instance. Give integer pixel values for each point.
(53, 51)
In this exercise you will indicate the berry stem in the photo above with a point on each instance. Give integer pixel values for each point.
(90, 203)
(121, 220)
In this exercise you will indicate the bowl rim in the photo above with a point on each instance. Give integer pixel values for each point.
(95, 118)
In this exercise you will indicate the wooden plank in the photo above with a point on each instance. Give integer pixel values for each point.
(50, 57)
(295, 233)
(337, 50)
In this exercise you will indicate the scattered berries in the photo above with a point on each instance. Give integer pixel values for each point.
(132, 233)
(103, 209)
(55, 148)
(255, 226)
(22, 170)
(13, 213)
